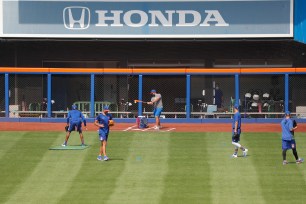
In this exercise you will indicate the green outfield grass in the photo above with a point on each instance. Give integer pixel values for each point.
(149, 167)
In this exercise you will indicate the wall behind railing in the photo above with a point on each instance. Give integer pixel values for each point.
(184, 90)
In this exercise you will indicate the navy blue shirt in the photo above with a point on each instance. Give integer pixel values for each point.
(76, 116)
(218, 97)
(237, 118)
(104, 119)
(287, 126)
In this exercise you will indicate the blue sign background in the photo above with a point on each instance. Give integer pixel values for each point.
(245, 19)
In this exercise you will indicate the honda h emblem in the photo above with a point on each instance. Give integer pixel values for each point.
(76, 17)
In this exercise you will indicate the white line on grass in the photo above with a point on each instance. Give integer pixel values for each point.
(129, 128)
(146, 129)
(168, 130)
(151, 129)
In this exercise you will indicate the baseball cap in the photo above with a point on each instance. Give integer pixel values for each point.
(236, 107)
(106, 108)
(153, 91)
(287, 113)
(74, 107)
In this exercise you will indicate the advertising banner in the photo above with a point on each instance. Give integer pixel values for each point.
(147, 19)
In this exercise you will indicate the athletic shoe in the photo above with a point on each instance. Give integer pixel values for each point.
(105, 158)
(83, 145)
(285, 162)
(300, 160)
(156, 127)
(99, 158)
(64, 145)
(234, 156)
(245, 152)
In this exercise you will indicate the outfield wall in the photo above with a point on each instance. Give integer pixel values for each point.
(188, 94)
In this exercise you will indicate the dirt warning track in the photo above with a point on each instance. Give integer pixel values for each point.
(173, 127)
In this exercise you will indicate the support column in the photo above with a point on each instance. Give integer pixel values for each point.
(237, 89)
(188, 96)
(92, 95)
(49, 95)
(6, 90)
(286, 92)
(140, 94)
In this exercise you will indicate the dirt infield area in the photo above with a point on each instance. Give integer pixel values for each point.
(173, 127)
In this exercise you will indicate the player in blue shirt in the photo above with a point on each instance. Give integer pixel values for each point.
(218, 96)
(102, 121)
(236, 131)
(74, 120)
(288, 140)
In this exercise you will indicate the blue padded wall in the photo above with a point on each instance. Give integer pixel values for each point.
(300, 21)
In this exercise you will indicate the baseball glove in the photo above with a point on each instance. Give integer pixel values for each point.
(66, 128)
(294, 123)
(111, 123)
(235, 136)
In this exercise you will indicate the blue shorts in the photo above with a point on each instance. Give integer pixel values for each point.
(103, 135)
(157, 112)
(287, 144)
(75, 125)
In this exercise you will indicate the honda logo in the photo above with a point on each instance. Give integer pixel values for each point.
(76, 17)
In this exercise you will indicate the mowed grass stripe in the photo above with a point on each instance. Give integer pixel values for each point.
(8, 140)
(279, 184)
(18, 162)
(52, 176)
(188, 176)
(233, 180)
(301, 148)
(96, 180)
(142, 179)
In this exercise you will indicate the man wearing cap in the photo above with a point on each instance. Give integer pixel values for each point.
(288, 140)
(157, 102)
(102, 121)
(218, 96)
(236, 131)
(74, 120)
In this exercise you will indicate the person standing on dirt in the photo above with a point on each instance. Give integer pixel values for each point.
(157, 102)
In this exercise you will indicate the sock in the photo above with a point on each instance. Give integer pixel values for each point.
(295, 154)
(284, 154)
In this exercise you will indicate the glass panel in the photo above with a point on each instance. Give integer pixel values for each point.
(211, 94)
(26, 94)
(114, 91)
(297, 97)
(262, 93)
(173, 91)
(68, 90)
